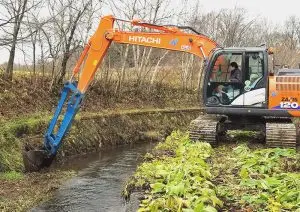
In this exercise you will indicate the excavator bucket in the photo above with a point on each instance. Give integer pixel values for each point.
(35, 159)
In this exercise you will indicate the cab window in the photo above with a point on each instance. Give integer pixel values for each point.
(254, 68)
(225, 80)
(221, 68)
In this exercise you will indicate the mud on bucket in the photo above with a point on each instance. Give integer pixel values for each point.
(35, 159)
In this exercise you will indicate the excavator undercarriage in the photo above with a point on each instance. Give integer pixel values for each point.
(274, 132)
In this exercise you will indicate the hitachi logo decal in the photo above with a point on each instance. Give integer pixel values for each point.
(141, 39)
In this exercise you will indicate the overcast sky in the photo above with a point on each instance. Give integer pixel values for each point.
(274, 11)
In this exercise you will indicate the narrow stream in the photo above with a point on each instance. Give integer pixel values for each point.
(99, 184)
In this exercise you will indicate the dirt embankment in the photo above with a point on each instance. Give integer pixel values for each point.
(21, 192)
(94, 132)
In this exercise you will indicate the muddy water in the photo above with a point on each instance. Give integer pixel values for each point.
(100, 181)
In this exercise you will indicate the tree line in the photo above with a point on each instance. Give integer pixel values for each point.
(50, 34)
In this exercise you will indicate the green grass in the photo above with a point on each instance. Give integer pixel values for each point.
(10, 144)
(11, 175)
(10, 152)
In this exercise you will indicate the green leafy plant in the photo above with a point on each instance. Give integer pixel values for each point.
(262, 182)
(178, 180)
(180, 175)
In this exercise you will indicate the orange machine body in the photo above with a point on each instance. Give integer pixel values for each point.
(284, 94)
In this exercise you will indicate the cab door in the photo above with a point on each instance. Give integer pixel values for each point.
(254, 89)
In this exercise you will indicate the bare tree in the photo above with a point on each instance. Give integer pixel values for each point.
(291, 31)
(53, 47)
(66, 17)
(154, 74)
(14, 12)
(229, 27)
(156, 12)
(33, 27)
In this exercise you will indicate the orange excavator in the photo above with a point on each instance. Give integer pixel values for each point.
(256, 99)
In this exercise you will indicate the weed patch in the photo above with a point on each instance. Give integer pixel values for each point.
(178, 181)
(180, 175)
(261, 180)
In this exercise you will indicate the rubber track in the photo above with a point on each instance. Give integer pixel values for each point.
(203, 129)
(281, 135)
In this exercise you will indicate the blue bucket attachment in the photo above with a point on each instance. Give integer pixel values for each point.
(34, 160)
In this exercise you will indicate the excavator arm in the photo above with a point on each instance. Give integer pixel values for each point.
(164, 37)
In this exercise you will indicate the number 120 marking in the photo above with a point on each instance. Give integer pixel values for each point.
(288, 105)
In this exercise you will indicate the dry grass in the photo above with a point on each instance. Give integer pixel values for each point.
(23, 193)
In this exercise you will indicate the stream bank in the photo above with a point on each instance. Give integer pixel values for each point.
(91, 132)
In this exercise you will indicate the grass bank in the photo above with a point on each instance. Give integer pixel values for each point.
(180, 175)
(90, 131)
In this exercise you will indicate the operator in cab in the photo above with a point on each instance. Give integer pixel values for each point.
(235, 74)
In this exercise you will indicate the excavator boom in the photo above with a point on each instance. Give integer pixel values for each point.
(164, 37)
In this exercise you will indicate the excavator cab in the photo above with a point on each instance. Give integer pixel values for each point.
(222, 90)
